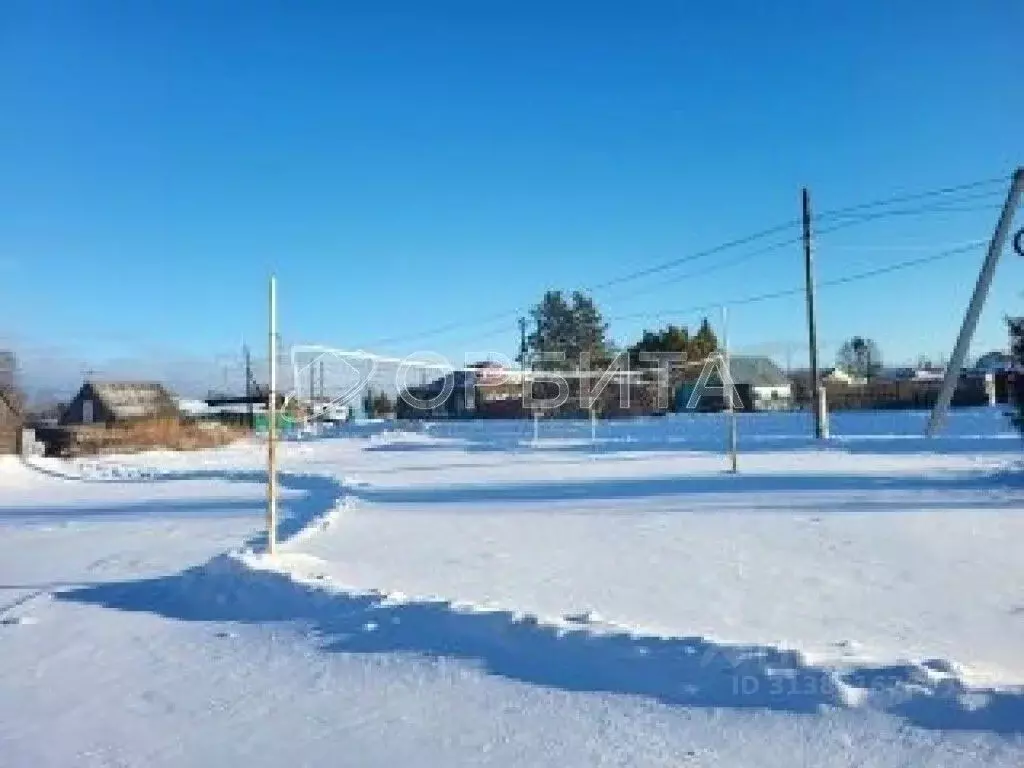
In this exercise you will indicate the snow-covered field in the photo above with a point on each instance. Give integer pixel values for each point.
(459, 594)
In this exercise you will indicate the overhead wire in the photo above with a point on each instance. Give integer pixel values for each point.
(905, 264)
(862, 210)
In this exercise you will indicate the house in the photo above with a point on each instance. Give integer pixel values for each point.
(995, 362)
(761, 384)
(11, 421)
(447, 397)
(117, 402)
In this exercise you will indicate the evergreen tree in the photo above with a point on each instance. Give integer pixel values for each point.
(704, 342)
(672, 338)
(569, 329)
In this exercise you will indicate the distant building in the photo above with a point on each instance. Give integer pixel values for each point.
(762, 386)
(114, 402)
(911, 373)
(447, 397)
(994, 362)
(839, 376)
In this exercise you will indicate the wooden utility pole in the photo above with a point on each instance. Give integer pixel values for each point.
(522, 343)
(812, 323)
(272, 426)
(248, 383)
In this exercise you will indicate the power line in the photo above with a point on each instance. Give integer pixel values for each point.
(936, 207)
(906, 264)
(442, 329)
(782, 293)
(721, 265)
(694, 256)
(913, 196)
(824, 215)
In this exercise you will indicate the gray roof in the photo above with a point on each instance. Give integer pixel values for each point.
(134, 399)
(757, 371)
(9, 398)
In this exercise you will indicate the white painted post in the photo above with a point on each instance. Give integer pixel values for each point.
(272, 426)
(823, 411)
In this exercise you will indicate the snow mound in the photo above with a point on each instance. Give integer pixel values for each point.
(565, 653)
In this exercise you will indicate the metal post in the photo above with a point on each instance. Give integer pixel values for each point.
(272, 426)
(812, 322)
(988, 268)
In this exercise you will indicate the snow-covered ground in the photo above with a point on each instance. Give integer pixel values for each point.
(460, 594)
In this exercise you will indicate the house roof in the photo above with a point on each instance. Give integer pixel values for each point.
(133, 399)
(10, 399)
(757, 371)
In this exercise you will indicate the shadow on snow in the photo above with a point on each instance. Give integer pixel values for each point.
(680, 671)
(572, 656)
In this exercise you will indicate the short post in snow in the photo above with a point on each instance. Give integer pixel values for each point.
(823, 411)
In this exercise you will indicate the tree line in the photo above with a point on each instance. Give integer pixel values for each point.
(570, 330)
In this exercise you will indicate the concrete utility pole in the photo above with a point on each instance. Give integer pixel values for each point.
(812, 323)
(988, 269)
(272, 426)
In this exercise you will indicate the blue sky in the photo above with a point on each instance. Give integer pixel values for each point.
(407, 165)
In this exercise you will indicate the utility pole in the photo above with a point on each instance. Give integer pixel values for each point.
(522, 343)
(272, 426)
(812, 323)
(988, 269)
(248, 383)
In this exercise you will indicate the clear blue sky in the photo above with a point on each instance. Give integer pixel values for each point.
(405, 165)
